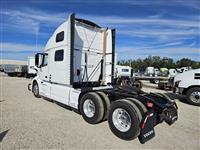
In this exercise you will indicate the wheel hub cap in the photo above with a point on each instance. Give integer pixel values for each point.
(195, 97)
(121, 119)
(89, 108)
(35, 89)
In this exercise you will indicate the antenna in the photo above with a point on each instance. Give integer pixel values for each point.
(36, 39)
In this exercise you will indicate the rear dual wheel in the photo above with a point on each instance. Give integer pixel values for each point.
(124, 116)
(94, 107)
(91, 108)
(106, 103)
(124, 119)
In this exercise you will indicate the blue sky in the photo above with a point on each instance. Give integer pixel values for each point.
(167, 28)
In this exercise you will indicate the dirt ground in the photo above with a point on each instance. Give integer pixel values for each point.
(30, 123)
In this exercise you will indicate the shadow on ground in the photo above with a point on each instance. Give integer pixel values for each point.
(2, 100)
(3, 134)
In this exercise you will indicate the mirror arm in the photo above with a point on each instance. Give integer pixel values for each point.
(32, 67)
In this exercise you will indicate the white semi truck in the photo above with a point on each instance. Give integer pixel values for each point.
(122, 71)
(77, 69)
(188, 84)
(123, 76)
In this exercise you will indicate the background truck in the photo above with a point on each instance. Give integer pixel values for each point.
(149, 71)
(15, 70)
(122, 71)
(188, 84)
(76, 69)
(123, 76)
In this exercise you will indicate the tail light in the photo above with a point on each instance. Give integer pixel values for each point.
(149, 104)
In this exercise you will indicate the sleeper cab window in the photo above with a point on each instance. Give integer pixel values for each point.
(60, 36)
(125, 70)
(59, 55)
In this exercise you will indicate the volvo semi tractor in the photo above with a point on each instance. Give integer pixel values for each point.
(76, 69)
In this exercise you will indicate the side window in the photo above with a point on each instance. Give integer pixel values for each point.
(59, 54)
(60, 36)
(45, 60)
(125, 70)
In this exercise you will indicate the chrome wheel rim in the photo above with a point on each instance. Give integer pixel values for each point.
(89, 108)
(156, 81)
(121, 120)
(195, 97)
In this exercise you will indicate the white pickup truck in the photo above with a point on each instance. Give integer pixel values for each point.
(188, 84)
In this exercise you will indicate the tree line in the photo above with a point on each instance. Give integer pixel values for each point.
(159, 62)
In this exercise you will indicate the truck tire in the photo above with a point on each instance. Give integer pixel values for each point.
(156, 81)
(151, 81)
(92, 108)
(27, 75)
(11, 74)
(35, 89)
(139, 105)
(124, 119)
(106, 103)
(193, 96)
(160, 86)
(137, 84)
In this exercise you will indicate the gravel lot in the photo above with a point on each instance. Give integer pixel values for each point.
(31, 123)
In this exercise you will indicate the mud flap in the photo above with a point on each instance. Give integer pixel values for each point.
(147, 127)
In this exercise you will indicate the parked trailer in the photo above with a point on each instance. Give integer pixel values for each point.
(77, 70)
(152, 79)
(15, 70)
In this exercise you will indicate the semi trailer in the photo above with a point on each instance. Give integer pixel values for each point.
(20, 70)
(15, 70)
(76, 69)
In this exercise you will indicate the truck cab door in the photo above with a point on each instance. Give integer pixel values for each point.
(45, 77)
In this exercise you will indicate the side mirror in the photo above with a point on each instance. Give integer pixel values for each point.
(38, 60)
